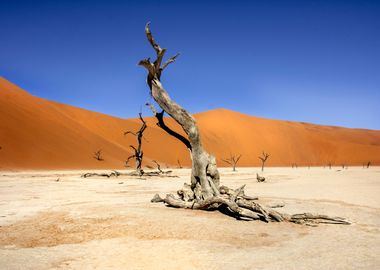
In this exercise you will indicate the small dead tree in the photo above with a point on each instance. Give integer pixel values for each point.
(232, 160)
(205, 192)
(138, 153)
(98, 155)
(158, 166)
(160, 171)
(264, 156)
(368, 164)
(179, 164)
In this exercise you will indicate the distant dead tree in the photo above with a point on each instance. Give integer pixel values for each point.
(158, 166)
(205, 192)
(179, 164)
(232, 160)
(138, 155)
(264, 156)
(329, 165)
(368, 164)
(98, 155)
(294, 165)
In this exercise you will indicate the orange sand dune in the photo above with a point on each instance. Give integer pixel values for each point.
(39, 134)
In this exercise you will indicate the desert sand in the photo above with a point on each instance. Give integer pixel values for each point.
(58, 220)
(40, 134)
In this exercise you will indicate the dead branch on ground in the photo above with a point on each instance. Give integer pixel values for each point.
(260, 178)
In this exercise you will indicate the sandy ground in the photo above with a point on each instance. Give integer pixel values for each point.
(77, 223)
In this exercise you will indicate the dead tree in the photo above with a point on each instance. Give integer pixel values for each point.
(204, 173)
(98, 155)
(159, 169)
(138, 153)
(205, 192)
(263, 159)
(368, 164)
(232, 160)
(158, 166)
(179, 164)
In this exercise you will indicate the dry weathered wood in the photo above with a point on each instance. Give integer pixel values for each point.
(161, 123)
(201, 160)
(316, 219)
(260, 178)
(211, 203)
(138, 153)
(108, 175)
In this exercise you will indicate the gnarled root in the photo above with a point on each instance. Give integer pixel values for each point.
(241, 206)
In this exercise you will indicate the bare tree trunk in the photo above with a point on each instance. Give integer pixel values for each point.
(204, 173)
(179, 164)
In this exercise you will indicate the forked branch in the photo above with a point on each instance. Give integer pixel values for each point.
(161, 123)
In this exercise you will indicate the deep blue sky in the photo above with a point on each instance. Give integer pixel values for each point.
(311, 61)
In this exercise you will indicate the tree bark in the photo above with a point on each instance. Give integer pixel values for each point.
(204, 173)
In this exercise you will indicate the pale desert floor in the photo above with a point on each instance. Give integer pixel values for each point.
(98, 223)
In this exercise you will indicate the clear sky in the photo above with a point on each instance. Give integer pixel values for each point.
(311, 61)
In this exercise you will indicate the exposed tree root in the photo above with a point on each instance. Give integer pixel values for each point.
(237, 204)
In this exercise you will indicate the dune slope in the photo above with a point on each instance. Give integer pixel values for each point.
(39, 134)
